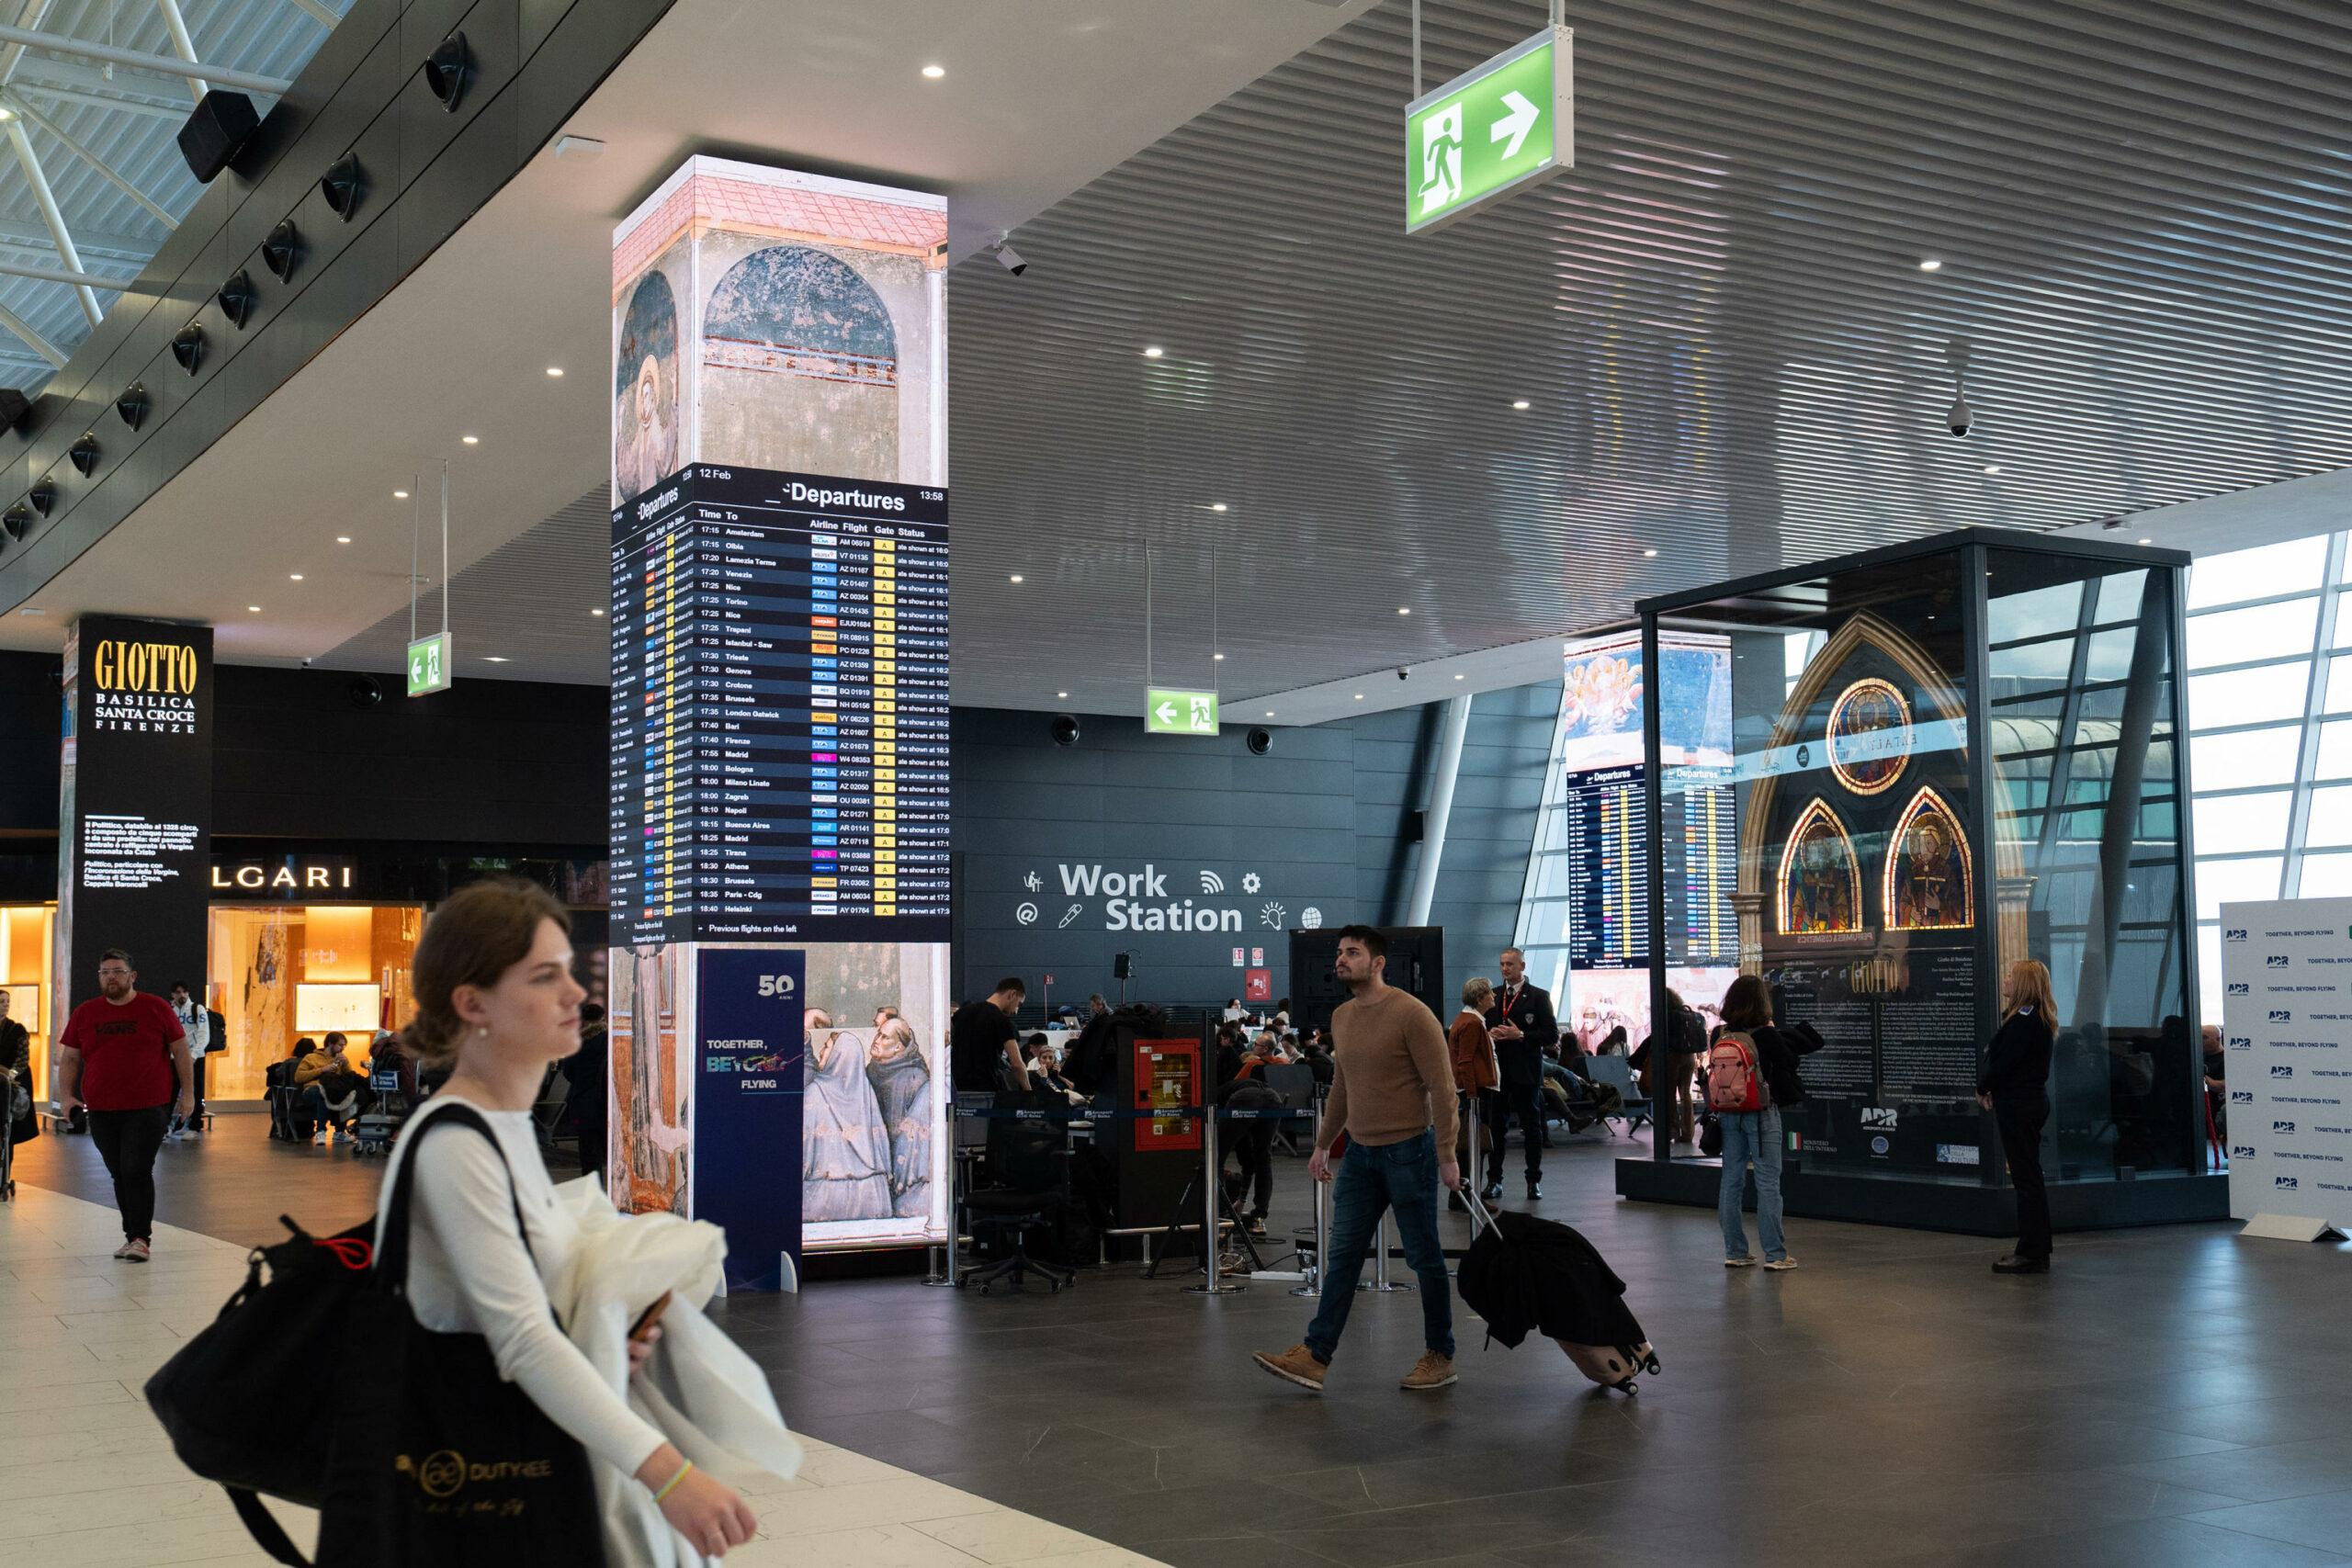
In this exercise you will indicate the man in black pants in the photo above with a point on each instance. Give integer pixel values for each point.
(120, 1054)
(2012, 1083)
(1523, 1028)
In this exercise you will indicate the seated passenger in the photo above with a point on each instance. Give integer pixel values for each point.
(331, 1090)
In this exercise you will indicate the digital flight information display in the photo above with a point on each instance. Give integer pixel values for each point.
(780, 716)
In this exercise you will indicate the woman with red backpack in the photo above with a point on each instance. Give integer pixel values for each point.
(1747, 1061)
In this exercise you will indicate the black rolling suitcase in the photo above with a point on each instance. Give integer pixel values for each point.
(1526, 1276)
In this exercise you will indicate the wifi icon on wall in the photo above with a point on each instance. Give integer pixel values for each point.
(1212, 883)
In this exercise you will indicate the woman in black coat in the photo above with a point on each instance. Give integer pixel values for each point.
(2013, 1084)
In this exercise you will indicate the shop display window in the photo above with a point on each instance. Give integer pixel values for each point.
(283, 971)
(25, 958)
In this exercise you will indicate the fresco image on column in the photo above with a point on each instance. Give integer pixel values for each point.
(646, 389)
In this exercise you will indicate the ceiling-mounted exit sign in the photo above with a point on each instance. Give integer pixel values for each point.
(1167, 711)
(429, 667)
(1492, 130)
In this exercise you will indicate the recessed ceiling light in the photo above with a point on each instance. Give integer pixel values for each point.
(1270, 713)
(1522, 404)
(1457, 677)
(1359, 696)
(254, 609)
(1218, 656)
(934, 71)
(1649, 554)
(556, 371)
(400, 495)
(1404, 609)
(597, 611)
(1217, 506)
(470, 440)
(294, 576)
(493, 658)
(1992, 468)
(342, 538)
(1016, 576)
(1932, 265)
(1154, 352)
(2147, 541)
(1061, 696)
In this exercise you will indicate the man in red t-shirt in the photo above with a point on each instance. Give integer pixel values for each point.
(120, 1054)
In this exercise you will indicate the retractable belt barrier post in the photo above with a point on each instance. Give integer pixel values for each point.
(1212, 1200)
(1470, 1154)
(1312, 1284)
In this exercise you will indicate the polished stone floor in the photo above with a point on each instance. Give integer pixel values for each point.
(2165, 1396)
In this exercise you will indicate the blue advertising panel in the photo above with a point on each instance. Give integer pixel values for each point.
(750, 1066)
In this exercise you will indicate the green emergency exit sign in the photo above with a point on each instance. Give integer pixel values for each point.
(428, 665)
(1505, 124)
(1179, 712)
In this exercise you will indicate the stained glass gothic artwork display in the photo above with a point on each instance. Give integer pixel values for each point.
(1820, 882)
(1928, 881)
(1868, 736)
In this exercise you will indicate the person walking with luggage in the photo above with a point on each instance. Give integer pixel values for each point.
(1524, 1028)
(1475, 1071)
(2013, 1084)
(1741, 1066)
(496, 1005)
(124, 1055)
(1393, 1094)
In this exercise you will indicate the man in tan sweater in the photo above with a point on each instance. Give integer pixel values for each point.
(1393, 1096)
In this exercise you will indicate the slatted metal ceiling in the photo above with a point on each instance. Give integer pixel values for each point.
(1718, 317)
(129, 119)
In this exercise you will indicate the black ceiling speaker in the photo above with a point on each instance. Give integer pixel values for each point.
(446, 68)
(42, 496)
(282, 249)
(17, 519)
(362, 692)
(1260, 742)
(14, 407)
(341, 186)
(238, 298)
(188, 347)
(85, 451)
(133, 405)
(216, 130)
(1065, 729)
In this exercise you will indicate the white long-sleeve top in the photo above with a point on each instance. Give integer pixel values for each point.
(469, 1273)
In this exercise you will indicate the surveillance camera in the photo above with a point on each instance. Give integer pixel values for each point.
(1960, 418)
(306, 664)
(1065, 729)
(1011, 259)
(1403, 674)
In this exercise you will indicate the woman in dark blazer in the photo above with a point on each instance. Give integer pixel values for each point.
(2013, 1084)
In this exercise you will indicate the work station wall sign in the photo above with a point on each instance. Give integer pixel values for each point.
(134, 801)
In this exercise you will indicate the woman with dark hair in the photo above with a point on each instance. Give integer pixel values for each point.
(1755, 1134)
(497, 1003)
(2013, 1084)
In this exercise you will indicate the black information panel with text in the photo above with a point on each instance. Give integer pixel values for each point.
(135, 802)
(780, 719)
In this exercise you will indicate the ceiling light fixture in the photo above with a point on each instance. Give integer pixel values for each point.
(253, 609)
(493, 658)
(1932, 265)
(1061, 696)
(470, 440)
(1457, 677)
(342, 538)
(293, 577)
(400, 495)
(1992, 468)
(1217, 506)
(1154, 352)
(1404, 609)
(1359, 696)
(2147, 541)
(934, 71)
(597, 613)
(1270, 713)
(1219, 658)
(1522, 404)
(1649, 554)
(556, 371)
(1016, 576)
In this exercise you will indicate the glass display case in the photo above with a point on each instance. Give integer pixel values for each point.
(1945, 757)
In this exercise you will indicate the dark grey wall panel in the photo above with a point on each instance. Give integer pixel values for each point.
(426, 171)
(1322, 822)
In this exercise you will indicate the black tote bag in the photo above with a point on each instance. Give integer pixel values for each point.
(439, 1459)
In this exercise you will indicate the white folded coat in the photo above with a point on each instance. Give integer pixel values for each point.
(706, 1395)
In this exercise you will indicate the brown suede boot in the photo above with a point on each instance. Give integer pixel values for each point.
(1296, 1365)
(1432, 1370)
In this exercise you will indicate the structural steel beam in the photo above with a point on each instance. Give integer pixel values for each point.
(40, 346)
(106, 170)
(177, 26)
(47, 200)
(139, 60)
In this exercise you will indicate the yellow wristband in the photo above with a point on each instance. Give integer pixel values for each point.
(663, 1495)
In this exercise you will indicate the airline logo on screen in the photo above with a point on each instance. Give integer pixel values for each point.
(148, 686)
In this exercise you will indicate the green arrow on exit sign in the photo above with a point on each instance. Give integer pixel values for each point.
(1490, 130)
(428, 665)
(1179, 712)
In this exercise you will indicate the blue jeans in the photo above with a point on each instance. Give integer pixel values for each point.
(1401, 1177)
(1752, 1135)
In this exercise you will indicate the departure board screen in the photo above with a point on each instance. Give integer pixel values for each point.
(1609, 868)
(780, 718)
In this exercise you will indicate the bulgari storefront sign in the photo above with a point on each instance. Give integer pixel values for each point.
(293, 877)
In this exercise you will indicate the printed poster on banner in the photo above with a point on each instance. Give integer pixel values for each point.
(2286, 1117)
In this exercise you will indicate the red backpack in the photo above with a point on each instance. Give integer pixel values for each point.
(1735, 1074)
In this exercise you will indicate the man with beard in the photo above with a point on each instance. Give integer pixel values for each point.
(120, 1054)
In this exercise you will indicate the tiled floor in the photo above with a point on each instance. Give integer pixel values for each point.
(2165, 1397)
(89, 1479)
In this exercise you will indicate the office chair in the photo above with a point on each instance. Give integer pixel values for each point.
(1029, 1163)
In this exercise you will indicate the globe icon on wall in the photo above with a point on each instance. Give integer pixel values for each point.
(1311, 917)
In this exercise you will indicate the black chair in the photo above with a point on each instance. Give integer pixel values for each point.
(1028, 1166)
(1295, 1081)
